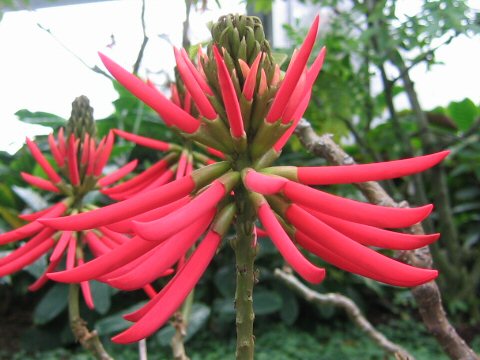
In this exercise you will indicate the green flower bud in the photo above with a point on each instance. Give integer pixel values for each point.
(81, 120)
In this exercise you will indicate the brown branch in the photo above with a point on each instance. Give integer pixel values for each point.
(136, 66)
(428, 295)
(350, 308)
(88, 339)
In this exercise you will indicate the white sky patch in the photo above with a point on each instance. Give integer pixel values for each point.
(40, 75)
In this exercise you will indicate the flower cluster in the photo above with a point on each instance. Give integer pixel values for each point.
(242, 105)
(80, 161)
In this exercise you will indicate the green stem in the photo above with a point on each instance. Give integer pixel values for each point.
(89, 340)
(245, 257)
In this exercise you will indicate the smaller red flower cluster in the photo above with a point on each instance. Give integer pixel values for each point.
(81, 162)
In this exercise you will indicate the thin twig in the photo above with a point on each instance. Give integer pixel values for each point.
(427, 296)
(94, 68)
(138, 62)
(347, 304)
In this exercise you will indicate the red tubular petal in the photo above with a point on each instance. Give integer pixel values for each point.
(189, 167)
(165, 178)
(251, 78)
(244, 68)
(153, 98)
(304, 100)
(35, 215)
(229, 96)
(166, 256)
(276, 76)
(264, 184)
(61, 246)
(262, 87)
(187, 106)
(72, 161)
(261, 232)
(295, 98)
(203, 104)
(364, 213)
(42, 280)
(124, 269)
(62, 146)
(118, 174)
(87, 294)
(71, 253)
(128, 208)
(286, 247)
(45, 165)
(292, 75)
(115, 236)
(30, 229)
(372, 236)
(142, 140)
(150, 291)
(106, 263)
(86, 291)
(97, 247)
(296, 119)
(85, 149)
(182, 165)
(39, 182)
(34, 242)
(59, 159)
(108, 242)
(91, 157)
(215, 152)
(386, 269)
(198, 77)
(125, 226)
(102, 158)
(175, 97)
(170, 224)
(141, 179)
(323, 175)
(178, 289)
(331, 257)
(26, 258)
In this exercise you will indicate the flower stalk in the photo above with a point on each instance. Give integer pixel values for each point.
(245, 248)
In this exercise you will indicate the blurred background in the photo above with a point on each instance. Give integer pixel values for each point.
(401, 78)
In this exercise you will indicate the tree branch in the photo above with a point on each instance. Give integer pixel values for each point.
(93, 68)
(428, 295)
(350, 308)
(138, 62)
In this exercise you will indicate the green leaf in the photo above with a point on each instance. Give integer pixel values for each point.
(290, 310)
(197, 319)
(101, 296)
(40, 339)
(51, 305)
(115, 323)
(224, 280)
(33, 199)
(266, 302)
(6, 196)
(40, 118)
(464, 113)
(38, 267)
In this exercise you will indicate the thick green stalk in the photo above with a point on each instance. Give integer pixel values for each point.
(245, 251)
(89, 340)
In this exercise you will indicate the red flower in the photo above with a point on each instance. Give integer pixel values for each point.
(80, 161)
(249, 118)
